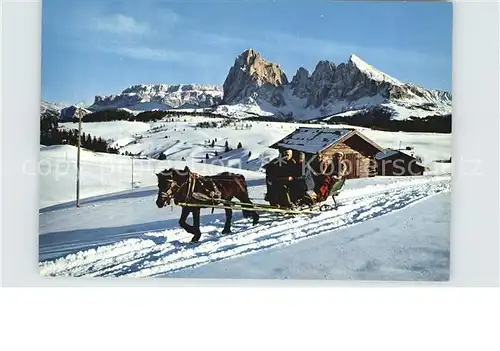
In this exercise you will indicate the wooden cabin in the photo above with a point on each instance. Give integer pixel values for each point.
(397, 163)
(359, 151)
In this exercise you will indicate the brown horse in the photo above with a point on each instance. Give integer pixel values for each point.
(184, 186)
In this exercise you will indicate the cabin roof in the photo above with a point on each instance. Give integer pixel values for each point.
(391, 153)
(386, 153)
(312, 140)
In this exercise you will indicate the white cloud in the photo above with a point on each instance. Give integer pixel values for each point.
(148, 53)
(145, 53)
(120, 24)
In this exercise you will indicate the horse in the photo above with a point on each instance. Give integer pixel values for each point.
(185, 186)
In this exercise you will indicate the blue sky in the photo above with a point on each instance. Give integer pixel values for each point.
(97, 47)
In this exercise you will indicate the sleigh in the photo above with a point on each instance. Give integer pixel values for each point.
(193, 192)
(204, 201)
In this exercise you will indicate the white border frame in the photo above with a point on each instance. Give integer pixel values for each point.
(475, 201)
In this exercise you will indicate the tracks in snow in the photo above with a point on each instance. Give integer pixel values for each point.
(160, 255)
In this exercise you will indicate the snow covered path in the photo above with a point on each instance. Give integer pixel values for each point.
(412, 244)
(151, 251)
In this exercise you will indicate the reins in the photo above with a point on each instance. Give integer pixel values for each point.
(191, 183)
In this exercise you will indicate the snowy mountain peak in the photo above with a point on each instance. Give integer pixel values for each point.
(50, 106)
(371, 71)
(356, 59)
(330, 89)
(73, 111)
(248, 53)
(252, 76)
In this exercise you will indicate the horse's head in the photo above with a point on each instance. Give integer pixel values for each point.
(169, 181)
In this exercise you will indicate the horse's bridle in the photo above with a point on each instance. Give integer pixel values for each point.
(170, 193)
(167, 196)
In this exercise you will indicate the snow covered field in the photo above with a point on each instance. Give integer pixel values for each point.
(182, 139)
(388, 228)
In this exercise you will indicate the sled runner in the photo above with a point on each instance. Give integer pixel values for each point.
(335, 191)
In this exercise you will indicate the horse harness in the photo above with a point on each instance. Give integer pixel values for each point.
(191, 182)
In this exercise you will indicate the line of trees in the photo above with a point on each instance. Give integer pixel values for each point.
(380, 118)
(88, 141)
(376, 118)
(50, 134)
(146, 116)
(207, 124)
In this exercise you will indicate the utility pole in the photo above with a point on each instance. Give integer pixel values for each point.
(132, 157)
(78, 113)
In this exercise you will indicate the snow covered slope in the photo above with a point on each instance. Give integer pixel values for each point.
(410, 244)
(183, 139)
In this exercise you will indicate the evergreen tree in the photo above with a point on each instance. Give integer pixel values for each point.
(73, 136)
(48, 127)
(206, 156)
(226, 146)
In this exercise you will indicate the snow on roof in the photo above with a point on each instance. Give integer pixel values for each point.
(312, 140)
(386, 153)
(391, 152)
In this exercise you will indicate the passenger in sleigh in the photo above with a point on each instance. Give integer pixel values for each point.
(327, 174)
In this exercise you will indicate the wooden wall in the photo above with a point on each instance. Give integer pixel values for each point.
(356, 156)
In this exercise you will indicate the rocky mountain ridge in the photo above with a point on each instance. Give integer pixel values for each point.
(256, 86)
(146, 96)
(330, 89)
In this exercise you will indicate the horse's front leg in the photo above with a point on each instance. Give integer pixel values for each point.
(182, 221)
(196, 225)
(227, 225)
